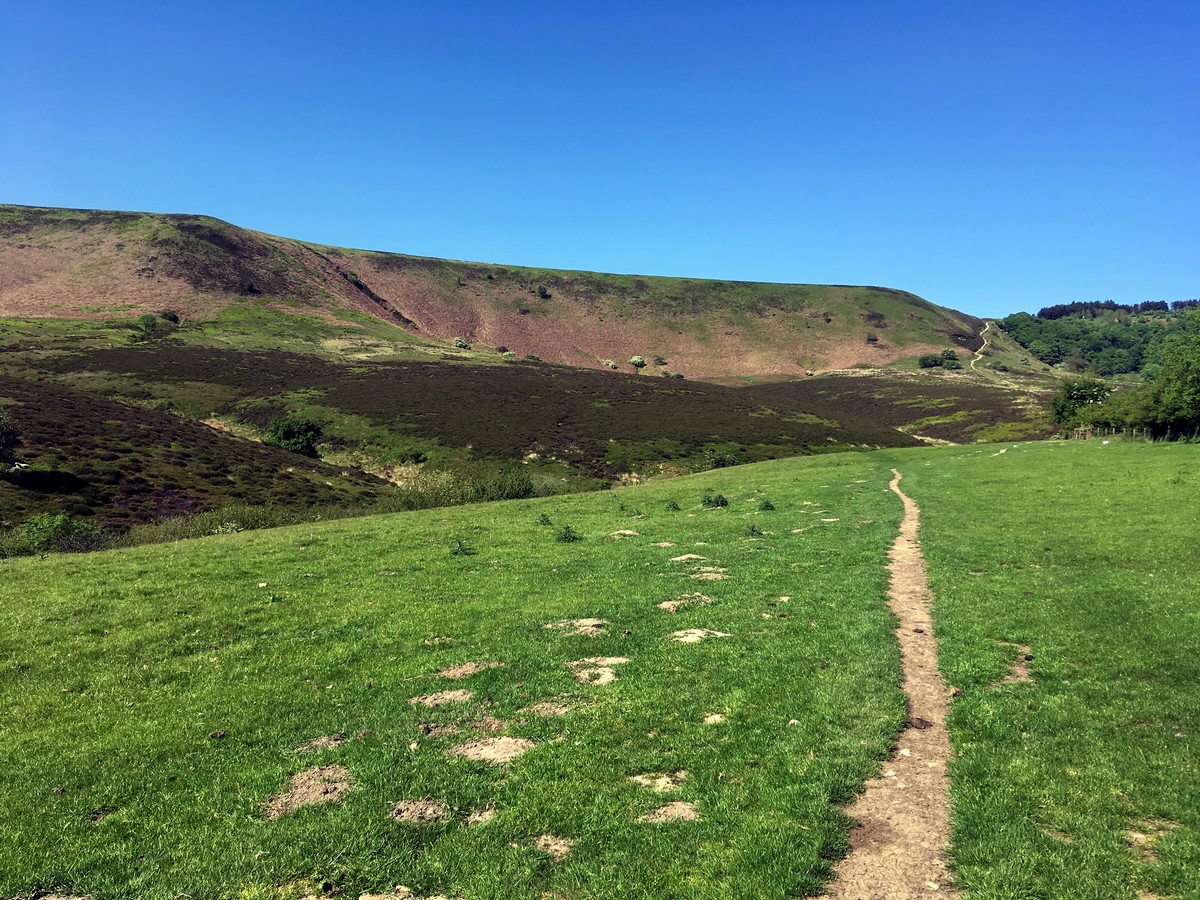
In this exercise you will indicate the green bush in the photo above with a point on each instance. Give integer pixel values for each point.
(462, 343)
(10, 436)
(58, 532)
(638, 362)
(296, 434)
(567, 535)
(766, 505)
(930, 361)
(714, 501)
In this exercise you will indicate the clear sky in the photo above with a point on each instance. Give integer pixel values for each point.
(989, 156)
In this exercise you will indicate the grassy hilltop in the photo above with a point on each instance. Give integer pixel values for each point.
(166, 705)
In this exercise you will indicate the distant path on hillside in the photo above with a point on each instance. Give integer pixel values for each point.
(979, 353)
(898, 850)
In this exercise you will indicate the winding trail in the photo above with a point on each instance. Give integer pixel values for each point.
(978, 353)
(898, 849)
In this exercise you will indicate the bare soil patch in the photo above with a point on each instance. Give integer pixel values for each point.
(663, 544)
(714, 719)
(678, 811)
(324, 784)
(480, 816)
(1142, 837)
(623, 533)
(661, 784)
(688, 557)
(326, 742)
(596, 669)
(467, 669)
(549, 709)
(488, 723)
(897, 850)
(589, 627)
(441, 698)
(554, 846)
(696, 635)
(710, 576)
(684, 600)
(1019, 672)
(420, 812)
(497, 751)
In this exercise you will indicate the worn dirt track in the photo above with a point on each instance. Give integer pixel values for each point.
(898, 849)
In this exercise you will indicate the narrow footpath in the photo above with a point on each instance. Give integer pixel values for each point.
(899, 849)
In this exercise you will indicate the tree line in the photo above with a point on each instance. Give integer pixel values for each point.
(1166, 405)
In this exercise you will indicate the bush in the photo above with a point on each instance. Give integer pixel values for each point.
(638, 362)
(462, 343)
(766, 505)
(59, 532)
(672, 506)
(714, 501)
(544, 519)
(952, 364)
(10, 436)
(296, 434)
(753, 530)
(930, 361)
(949, 354)
(567, 535)
(610, 364)
(1074, 395)
(508, 356)
(660, 360)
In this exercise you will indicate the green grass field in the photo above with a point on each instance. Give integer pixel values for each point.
(157, 698)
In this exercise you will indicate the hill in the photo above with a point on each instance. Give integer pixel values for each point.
(88, 264)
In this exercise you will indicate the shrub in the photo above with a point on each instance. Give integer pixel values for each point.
(660, 360)
(10, 436)
(169, 315)
(610, 364)
(949, 354)
(930, 361)
(462, 343)
(58, 531)
(766, 505)
(753, 530)
(296, 434)
(672, 506)
(567, 535)
(714, 501)
(529, 357)
(544, 519)
(458, 547)
(952, 364)
(638, 362)
(508, 356)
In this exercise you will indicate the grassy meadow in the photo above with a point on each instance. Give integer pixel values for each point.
(158, 698)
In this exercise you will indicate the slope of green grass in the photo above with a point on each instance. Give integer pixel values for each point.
(1085, 782)
(156, 697)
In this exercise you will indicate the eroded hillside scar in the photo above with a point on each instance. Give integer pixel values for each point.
(898, 850)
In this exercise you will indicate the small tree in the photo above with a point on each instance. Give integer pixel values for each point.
(1074, 395)
(638, 362)
(949, 354)
(296, 434)
(10, 436)
(930, 361)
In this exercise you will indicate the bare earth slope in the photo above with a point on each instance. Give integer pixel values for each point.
(93, 264)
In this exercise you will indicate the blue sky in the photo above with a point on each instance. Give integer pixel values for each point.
(989, 156)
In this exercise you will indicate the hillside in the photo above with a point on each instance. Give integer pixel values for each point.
(86, 264)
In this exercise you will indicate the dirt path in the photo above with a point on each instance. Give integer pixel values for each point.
(897, 851)
(978, 353)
